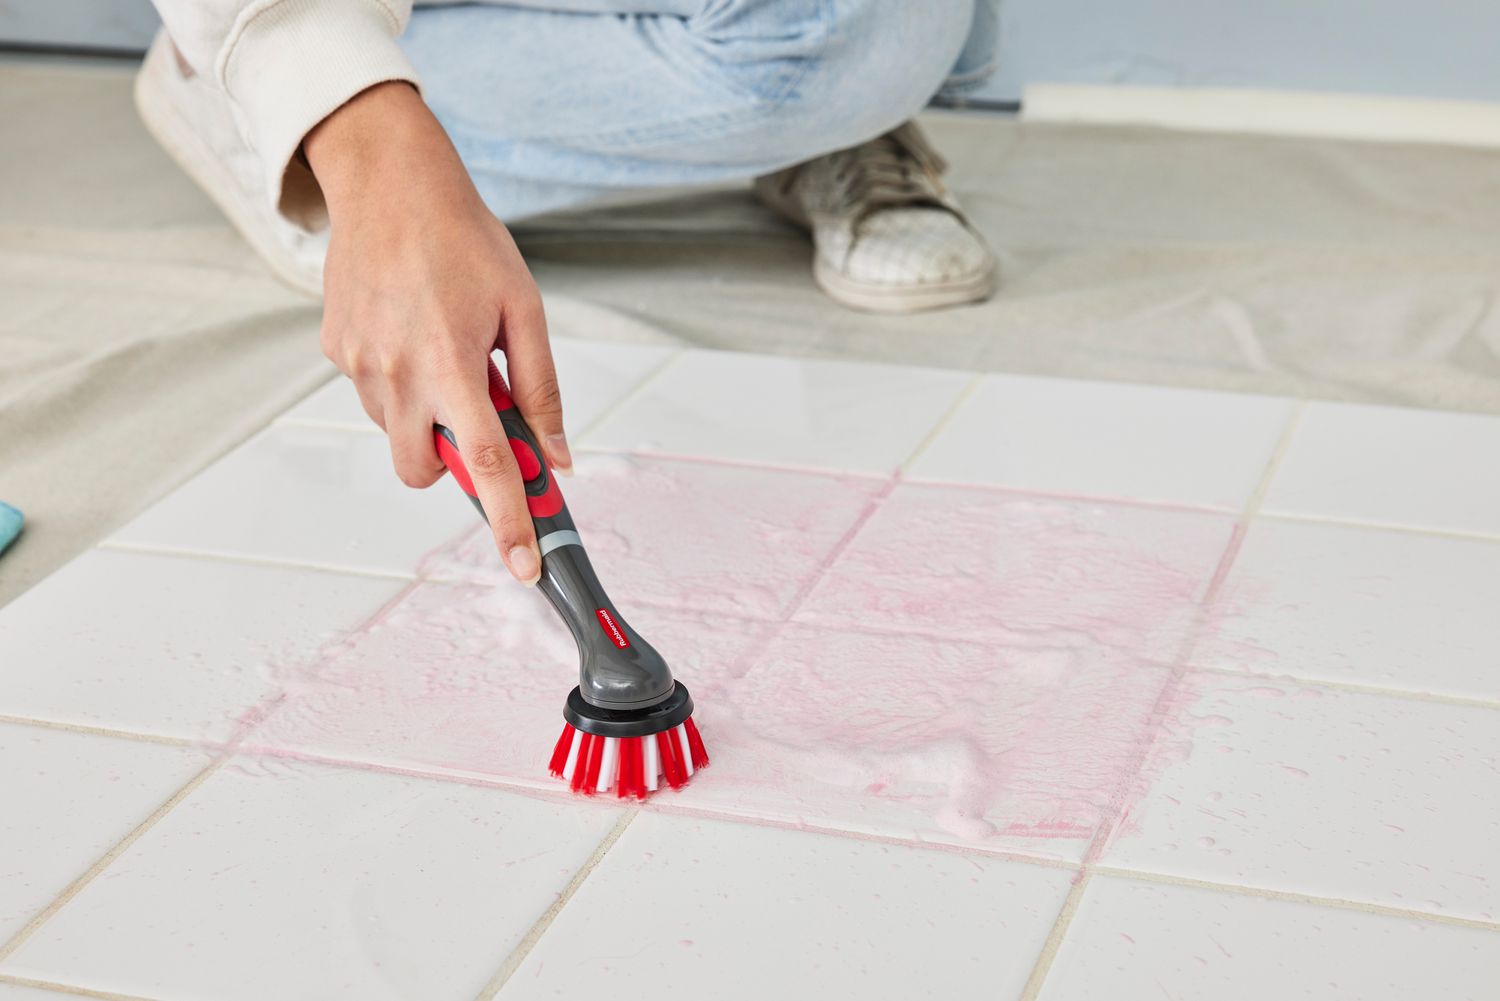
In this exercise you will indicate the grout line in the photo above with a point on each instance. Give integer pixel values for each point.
(548, 791)
(998, 854)
(1384, 526)
(756, 649)
(1467, 701)
(1119, 805)
(1055, 937)
(942, 422)
(1337, 903)
(68, 990)
(73, 888)
(871, 506)
(99, 731)
(1184, 507)
(537, 930)
(223, 751)
(630, 397)
(827, 472)
(1273, 465)
(215, 556)
(369, 427)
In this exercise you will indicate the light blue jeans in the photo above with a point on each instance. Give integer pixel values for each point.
(557, 102)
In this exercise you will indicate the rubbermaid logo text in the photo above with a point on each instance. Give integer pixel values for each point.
(611, 628)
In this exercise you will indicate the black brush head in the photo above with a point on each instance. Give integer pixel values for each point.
(669, 712)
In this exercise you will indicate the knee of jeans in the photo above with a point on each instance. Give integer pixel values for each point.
(880, 64)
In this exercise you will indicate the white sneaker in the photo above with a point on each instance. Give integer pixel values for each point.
(889, 237)
(192, 120)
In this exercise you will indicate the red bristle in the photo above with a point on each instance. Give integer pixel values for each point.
(631, 766)
(580, 765)
(638, 766)
(560, 752)
(596, 755)
(670, 765)
(695, 744)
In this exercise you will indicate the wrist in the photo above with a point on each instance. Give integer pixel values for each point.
(380, 142)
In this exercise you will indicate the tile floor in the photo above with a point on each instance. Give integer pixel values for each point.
(1016, 688)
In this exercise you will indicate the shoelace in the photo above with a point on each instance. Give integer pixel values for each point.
(895, 170)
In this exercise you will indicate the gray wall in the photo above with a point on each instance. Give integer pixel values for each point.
(1410, 48)
(94, 24)
(1415, 48)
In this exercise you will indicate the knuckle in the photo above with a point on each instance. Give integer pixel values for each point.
(512, 531)
(356, 364)
(394, 367)
(546, 399)
(490, 460)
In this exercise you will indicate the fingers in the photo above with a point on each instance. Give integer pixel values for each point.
(533, 378)
(497, 480)
(412, 450)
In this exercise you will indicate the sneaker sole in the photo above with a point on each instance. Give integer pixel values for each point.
(173, 133)
(872, 298)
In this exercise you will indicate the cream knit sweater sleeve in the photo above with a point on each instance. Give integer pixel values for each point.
(286, 65)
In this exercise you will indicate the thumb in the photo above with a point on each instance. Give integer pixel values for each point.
(533, 380)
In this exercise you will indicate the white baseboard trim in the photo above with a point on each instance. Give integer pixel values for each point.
(1271, 112)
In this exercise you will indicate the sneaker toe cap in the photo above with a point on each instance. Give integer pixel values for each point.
(915, 248)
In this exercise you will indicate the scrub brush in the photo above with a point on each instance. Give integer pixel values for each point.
(628, 726)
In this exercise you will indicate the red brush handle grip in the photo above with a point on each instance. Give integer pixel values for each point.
(499, 391)
(543, 498)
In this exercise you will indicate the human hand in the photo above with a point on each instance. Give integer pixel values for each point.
(421, 284)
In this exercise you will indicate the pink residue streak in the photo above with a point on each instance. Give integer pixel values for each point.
(945, 664)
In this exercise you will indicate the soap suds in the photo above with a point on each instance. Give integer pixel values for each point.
(974, 667)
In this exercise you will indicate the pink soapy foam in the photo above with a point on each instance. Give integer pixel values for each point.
(464, 679)
(970, 668)
(693, 535)
(984, 565)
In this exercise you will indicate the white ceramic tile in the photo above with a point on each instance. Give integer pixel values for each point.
(176, 646)
(740, 540)
(310, 496)
(66, 798)
(702, 909)
(1103, 439)
(295, 881)
(1140, 940)
(838, 415)
(1326, 792)
(593, 376)
(1364, 605)
(470, 680)
(1422, 468)
(984, 565)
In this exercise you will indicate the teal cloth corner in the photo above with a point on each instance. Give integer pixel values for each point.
(10, 525)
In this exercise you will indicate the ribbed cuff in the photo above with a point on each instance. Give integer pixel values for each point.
(292, 63)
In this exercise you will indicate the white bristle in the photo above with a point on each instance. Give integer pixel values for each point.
(653, 764)
(609, 763)
(572, 757)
